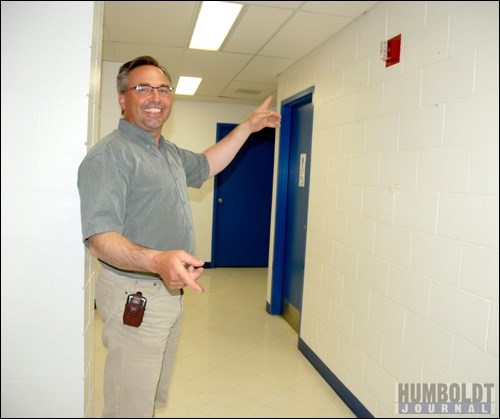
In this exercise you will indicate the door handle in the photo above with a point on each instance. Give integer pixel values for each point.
(220, 201)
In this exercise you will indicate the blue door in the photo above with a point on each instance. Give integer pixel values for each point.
(242, 203)
(297, 204)
(294, 162)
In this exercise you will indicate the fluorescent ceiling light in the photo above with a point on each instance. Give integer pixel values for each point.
(187, 85)
(213, 24)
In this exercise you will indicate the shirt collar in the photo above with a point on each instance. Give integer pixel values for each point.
(137, 132)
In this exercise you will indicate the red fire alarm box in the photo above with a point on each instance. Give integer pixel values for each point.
(393, 50)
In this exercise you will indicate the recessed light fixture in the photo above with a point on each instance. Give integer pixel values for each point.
(214, 22)
(187, 85)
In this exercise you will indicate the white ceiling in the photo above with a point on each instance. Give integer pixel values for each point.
(267, 38)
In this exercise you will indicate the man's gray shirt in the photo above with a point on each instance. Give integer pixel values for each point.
(130, 186)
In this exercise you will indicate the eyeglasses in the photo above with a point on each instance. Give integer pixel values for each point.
(146, 90)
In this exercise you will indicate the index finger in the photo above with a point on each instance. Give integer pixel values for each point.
(266, 103)
(190, 276)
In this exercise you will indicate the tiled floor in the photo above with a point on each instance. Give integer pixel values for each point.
(235, 360)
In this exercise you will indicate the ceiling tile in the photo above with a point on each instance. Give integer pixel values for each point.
(264, 69)
(255, 28)
(170, 58)
(150, 22)
(275, 4)
(303, 33)
(254, 91)
(198, 63)
(350, 9)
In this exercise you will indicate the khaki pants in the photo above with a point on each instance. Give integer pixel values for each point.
(140, 359)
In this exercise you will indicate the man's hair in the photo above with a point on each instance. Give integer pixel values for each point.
(125, 69)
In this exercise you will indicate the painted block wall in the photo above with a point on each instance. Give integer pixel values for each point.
(401, 275)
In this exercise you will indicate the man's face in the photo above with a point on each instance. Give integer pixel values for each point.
(147, 111)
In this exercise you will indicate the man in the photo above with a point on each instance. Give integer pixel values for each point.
(137, 221)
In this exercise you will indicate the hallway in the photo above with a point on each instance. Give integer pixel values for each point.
(235, 360)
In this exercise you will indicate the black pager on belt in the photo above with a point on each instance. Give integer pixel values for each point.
(134, 309)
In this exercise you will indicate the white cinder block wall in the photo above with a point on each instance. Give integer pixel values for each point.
(50, 86)
(401, 276)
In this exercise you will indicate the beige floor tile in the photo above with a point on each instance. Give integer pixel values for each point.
(235, 360)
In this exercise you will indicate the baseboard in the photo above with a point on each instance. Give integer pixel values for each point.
(343, 392)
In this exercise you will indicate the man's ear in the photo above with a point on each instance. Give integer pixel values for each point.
(121, 101)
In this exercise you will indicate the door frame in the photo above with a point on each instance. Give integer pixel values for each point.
(305, 96)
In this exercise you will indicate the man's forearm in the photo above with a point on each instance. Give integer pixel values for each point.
(118, 251)
(223, 152)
